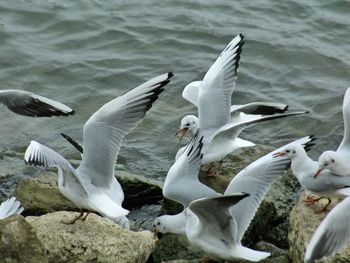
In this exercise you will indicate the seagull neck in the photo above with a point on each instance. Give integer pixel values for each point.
(301, 163)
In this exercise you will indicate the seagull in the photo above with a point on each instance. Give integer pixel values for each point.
(92, 186)
(255, 179)
(33, 105)
(225, 139)
(304, 169)
(214, 107)
(338, 161)
(212, 227)
(10, 207)
(331, 235)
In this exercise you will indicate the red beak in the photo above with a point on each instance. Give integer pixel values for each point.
(318, 173)
(278, 154)
(182, 132)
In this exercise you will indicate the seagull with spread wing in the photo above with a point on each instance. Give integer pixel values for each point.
(33, 105)
(217, 120)
(92, 186)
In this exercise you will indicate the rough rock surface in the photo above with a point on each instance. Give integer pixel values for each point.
(40, 195)
(303, 223)
(19, 243)
(96, 240)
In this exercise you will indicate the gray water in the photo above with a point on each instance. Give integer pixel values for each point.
(84, 53)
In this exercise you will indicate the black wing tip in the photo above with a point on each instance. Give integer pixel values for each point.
(310, 144)
(244, 194)
(170, 75)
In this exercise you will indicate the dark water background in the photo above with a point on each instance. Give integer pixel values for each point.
(84, 53)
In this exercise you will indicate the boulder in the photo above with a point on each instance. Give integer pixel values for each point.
(40, 195)
(19, 242)
(95, 240)
(303, 223)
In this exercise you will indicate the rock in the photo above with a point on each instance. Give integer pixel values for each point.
(96, 240)
(175, 247)
(19, 243)
(40, 195)
(303, 223)
(139, 190)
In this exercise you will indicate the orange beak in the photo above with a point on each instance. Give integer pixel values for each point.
(318, 172)
(278, 154)
(182, 132)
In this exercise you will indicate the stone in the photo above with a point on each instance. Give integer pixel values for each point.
(175, 247)
(19, 242)
(97, 239)
(40, 195)
(303, 223)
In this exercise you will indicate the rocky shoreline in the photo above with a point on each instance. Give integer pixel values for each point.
(283, 224)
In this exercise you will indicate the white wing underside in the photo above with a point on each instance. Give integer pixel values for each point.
(256, 180)
(332, 234)
(214, 98)
(10, 207)
(345, 144)
(40, 155)
(107, 127)
(182, 184)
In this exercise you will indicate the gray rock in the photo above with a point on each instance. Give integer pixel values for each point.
(303, 223)
(96, 240)
(175, 247)
(40, 195)
(19, 243)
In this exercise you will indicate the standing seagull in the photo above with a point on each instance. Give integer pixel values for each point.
(92, 185)
(304, 169)
(214, 108)
(32, 105)
(331, 235)
(338, 161)
(10, 207)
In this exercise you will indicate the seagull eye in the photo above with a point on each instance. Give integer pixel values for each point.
(332, 160)
(294, 151)
(287, 151)
(158, 223)
(187, 124)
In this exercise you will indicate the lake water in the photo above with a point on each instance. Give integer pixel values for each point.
(84, 53)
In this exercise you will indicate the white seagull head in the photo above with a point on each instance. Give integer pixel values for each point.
(327, 160)
(189, 124)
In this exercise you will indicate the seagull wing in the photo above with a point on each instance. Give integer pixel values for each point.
(10, 207)
(191, 91)
(29, 104)
(215, 219)
(214, 98)
(345, 144)
(263, 108)
(107, 127)
(256, 180)
(332, 234)
(182, 184)
(40, 155)
(232, 130)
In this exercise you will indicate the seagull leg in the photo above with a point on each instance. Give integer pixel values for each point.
(311, 200)
(325, 208)
(75, 219)
(205, 260)
(84, 218)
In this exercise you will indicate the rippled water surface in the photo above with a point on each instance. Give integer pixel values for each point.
(84, 53)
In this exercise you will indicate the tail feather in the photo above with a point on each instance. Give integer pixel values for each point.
(10, 207)
(106, 206)
(250, 254)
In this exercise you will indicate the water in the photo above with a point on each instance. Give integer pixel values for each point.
(84, 53)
